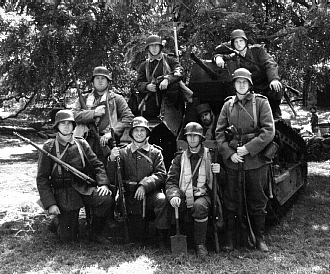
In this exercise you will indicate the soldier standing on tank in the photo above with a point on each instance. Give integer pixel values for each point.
(144, 174)
(250, 114)
(208, 120)
(254, 58)
(63, 194)
(189, 183)
(158, 76)
(106, 109)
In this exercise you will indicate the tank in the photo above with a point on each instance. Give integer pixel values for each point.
(210, 84)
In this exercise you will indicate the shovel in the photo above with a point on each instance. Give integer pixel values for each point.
(178, 241)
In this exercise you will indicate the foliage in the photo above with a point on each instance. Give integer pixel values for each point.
(41, 44)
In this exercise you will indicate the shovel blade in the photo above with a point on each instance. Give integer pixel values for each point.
(179, 244)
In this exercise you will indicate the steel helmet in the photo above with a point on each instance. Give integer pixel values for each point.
(243, 73)
(203, 108)
(194, 128)
(139, 122)
(102, 71)
(64, 115)
(154, 39)
(237, 33)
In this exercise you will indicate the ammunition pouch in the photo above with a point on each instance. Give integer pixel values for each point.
(61, 183)
(269, 151)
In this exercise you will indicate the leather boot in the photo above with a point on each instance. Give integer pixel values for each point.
(200, 229)
(163, 239)
(230, 234)
(276, 110)
(97, 226)
(258, 225)
(53, 225)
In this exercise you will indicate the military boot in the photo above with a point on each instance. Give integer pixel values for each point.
(163, 239)
(276, 110)
(200, 229)
(230, 234)
(258, 226)
(97, 226)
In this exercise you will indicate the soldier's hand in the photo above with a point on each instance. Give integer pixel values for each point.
(54, 210)
(114, 153)
(220, 62)
(275, 85)
(151, 87)
(105, 138)
(215, 168)
(163, 84)
(175, 202)
(140, 193)
(236, 159)
(99, 111)
(103, 190)
(242, 151)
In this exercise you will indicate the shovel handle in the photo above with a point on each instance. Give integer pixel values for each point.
(177, 220)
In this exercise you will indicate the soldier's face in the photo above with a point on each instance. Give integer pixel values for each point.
(242, 86)
(193, 140)
(154, 49)
(239, 44)
(206, 118)
(100, 83)
(139, 134)
(65, 127)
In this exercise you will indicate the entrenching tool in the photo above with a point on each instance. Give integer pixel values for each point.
(178, 241)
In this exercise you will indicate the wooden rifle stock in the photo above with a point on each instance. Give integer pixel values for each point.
(215, 209)
(66, 166)
(122, 202)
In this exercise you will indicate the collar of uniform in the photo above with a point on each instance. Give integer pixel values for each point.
(145, 147)
(200, 152)
(247, 97)
(62, 142)
(158, 57)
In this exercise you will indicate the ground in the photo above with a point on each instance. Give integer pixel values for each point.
(298, 244)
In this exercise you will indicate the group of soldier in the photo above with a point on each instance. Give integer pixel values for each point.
(86, 134)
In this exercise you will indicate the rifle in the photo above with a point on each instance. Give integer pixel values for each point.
(105, 149)
(66, 166)
(215, 204)
(122, 202)
(251, 239)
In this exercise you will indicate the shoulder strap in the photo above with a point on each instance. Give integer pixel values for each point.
(254, 110)
(80, 152)
(231, 106)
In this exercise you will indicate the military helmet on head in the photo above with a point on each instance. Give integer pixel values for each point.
(237, 33)
(243, 73)
(154, 39)
(139, 122)
(203, 108)
(64, 115)
(194, 128)
(101, 71)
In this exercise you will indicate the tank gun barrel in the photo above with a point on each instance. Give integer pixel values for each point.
(210, 72)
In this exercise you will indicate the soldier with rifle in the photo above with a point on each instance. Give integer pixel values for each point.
(143, 173)
(63, 186)
(244, 129)
(102, 114)
(239, 54)
(158, 76)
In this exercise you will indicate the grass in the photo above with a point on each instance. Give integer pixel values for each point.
(298, 244)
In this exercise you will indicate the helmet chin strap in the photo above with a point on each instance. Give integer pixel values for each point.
(242, 93)
(65, 135)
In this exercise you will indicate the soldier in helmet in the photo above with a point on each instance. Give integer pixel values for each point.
(249, 117)
(62, 193)
(208, 120)
(158, 76)
(144, 174)
(105, 109)
(255, 58)
(189, 183)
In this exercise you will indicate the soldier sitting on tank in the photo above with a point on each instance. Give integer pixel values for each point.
(189, 183)
(158, 77)
(250, 115)
(208, 120)
(144, 174)
(255, 58)
(62, 193)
